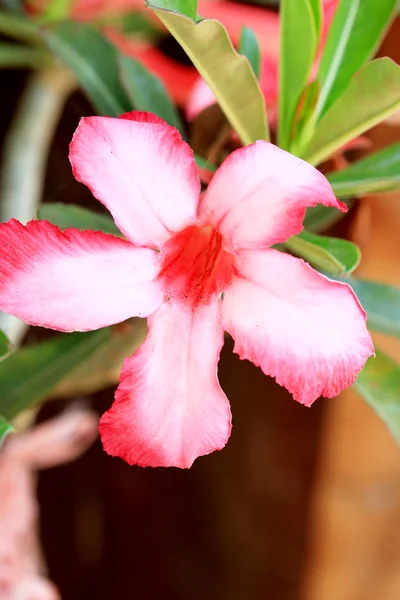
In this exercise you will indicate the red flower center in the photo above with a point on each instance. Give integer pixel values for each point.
(195, 266)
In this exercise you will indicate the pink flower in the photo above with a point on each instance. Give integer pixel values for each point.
(195, 267)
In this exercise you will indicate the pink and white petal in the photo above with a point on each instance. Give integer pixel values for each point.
(169, 408)
(259, 195)
(74, 280)
(141, 170)
(300, 327)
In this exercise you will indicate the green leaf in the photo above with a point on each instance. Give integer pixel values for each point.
(5, 429)
(93, 60)
(319, 218)
(317, 10)
(188, 8)
(56, 10)
(372, 95)
(13, 56)
(298, 43)
(19, 27)
(248, 46)
(5, 346)
(227, 73)
(379, 172)
(381, 302)
(30, 374)
(202, 163)
(333, 255)
(356, 32)
(147, 92)
(71, 215)
(379, 384)
(103, 367)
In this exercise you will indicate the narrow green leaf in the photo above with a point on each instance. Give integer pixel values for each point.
(22, 57)
(5, 429)
(333, 255)
(5, 346)
(379, 172)
(29, 375)
(19, 27)
(379, 384)
(372, 95)
(317, 10)
(319, 218)
(71, 215)
(298, 43)
(147, 92)
(103, 367)
(93, 60)
(354, 36)
(187, 8)
(381, 302)
(202, 163)
(248, 46)
(228, 74)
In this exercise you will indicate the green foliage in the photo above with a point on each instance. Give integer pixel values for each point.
(188, 8)
(381, 302)
(5, 346)
(248, 46)
(103, 367)
(355, 35)
(13, 56)
(147, 92)
(318, 218)
(333, 255)
(228, 74)
(71, 215)
(57, 10)
(379, 172)
(29, 375)
(204, 164)
(94, 62)
(19, 27)
(379, 384)
(298, 45)
(5, 429)
(372, 95)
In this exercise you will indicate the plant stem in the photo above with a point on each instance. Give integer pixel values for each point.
(25, 154)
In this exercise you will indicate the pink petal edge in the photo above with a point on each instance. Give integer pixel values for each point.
(141, 170)
(259, 196)
(300, 327)
(74, 280)
(169, 408)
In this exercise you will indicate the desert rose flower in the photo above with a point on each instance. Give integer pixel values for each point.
(196, 267)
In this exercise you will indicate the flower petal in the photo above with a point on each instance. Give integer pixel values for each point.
(169, 408)
(141, 170)
(301, 328)
(76, 280)
(259, 195)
